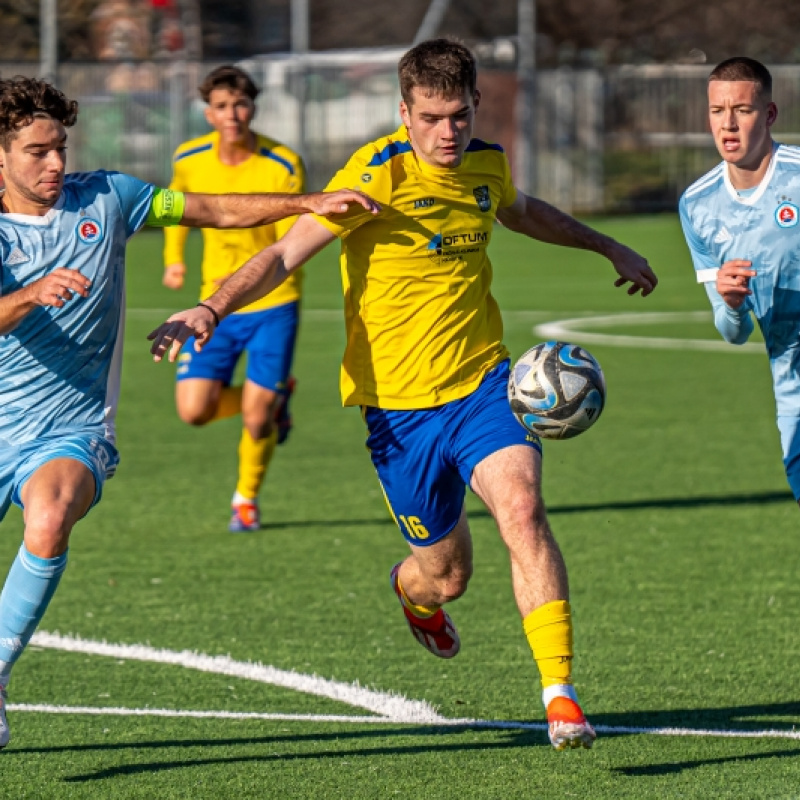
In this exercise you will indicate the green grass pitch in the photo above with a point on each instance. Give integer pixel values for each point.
(674, 517)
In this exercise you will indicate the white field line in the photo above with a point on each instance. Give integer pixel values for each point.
(319, 314)
(571, 329)
(391, 708)
(337, 314)
(392, 705)
(114, 711)
(443, 722)
(575, 328)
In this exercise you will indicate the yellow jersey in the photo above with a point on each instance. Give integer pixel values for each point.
(422, 326)
(271, 168)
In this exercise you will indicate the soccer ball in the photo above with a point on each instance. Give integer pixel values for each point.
(557, 390)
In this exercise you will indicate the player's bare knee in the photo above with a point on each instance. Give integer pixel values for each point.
(525, 512)
(47, 532)
(195, 415)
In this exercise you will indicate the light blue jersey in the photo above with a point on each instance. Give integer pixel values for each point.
(761, 226)
(60, 367)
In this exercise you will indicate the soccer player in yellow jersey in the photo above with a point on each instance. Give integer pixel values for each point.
(234, 158)
(425, 359)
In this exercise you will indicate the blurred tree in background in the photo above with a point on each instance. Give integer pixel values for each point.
(576, 32)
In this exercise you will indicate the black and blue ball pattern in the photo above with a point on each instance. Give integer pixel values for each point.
(557, 390)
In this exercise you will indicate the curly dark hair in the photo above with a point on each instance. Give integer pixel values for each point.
(24, 99)
(442, 66)
(228, 77)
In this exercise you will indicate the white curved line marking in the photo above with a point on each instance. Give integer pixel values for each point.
(395, 706)
(318, 314)
(575, 328)
(385, 720)
(116, 711)
(391, 708)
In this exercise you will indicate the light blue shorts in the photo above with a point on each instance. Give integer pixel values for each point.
(88, 446)
(424, 459)
(789, 428)
(267, 336)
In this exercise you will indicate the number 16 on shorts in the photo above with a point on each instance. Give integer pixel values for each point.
(413, 528)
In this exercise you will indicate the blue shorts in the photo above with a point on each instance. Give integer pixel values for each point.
(425, 458)
(268, 336)
(88, 446)
(789, 428)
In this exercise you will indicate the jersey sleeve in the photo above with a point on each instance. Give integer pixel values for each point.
(508, 191)
(135, 197)
(375, 181)
(705, 264)
(734, 324)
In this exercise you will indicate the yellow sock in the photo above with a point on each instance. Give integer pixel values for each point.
(230, 403)
(549, 632)
(254, 458)
(418, 611)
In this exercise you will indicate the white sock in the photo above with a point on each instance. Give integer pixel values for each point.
(238, 499)
(559, 690)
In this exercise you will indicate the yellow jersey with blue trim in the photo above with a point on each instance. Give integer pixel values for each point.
(422, 325)
(272, 167)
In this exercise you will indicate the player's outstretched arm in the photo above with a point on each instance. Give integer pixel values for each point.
(263, 273)
(252, 210)
(544, 222)
(55, 289)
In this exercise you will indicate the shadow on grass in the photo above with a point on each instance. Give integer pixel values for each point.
(519, 739)
(772, 716)
(700, 501)
(676, 767)
(373, 742)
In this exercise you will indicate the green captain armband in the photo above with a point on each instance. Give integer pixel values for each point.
(166, 208)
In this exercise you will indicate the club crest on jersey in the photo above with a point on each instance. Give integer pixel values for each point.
(482, 197)
(89, 231)
(787, 215)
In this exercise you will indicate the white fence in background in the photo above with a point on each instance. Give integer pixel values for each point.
(615, 140)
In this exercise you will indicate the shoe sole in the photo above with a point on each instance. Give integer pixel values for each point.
(571, 736)
(244, 529)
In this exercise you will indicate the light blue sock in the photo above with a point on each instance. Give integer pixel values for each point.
(29, 587)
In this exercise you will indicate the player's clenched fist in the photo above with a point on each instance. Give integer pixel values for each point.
(58, 287)
(173, 276)
(733, 281)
